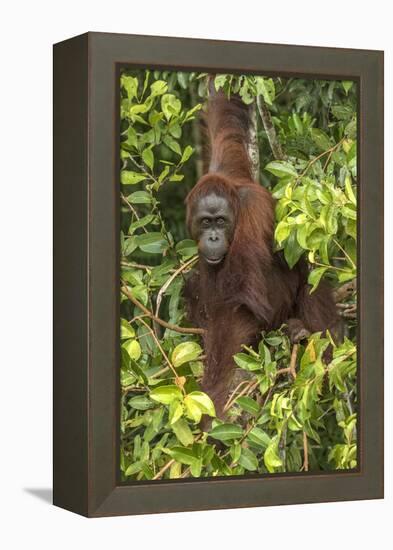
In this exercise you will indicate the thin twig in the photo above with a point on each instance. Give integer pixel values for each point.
(314, 160)
(237, 389)
(161, 350)
(123, 263)
(164, 469)
(168, 464)
(348, 257)
(161, 371)
(167, 283)
(250, 386)
(253, 149)
(283, 371)
(170, 326)
(124, 199)
(292, 364)
(254, 422)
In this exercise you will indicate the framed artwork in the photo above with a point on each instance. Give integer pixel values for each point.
(218, 274)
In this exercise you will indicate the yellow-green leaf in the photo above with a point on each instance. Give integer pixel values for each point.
(133, 348)
(184, 352)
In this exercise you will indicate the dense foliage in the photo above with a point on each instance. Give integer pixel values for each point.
(291, 412)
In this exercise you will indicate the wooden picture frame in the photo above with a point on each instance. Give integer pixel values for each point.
(86, 274)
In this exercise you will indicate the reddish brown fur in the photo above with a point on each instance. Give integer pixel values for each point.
(253, 289)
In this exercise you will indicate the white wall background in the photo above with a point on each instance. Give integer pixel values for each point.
(28, 30)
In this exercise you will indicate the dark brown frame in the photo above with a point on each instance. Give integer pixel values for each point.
(86, 288)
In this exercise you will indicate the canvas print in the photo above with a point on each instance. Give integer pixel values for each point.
(237, 275)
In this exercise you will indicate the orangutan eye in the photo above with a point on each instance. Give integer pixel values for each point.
(220, 221)
(205, 222)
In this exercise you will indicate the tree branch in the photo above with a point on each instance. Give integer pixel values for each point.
(164, 469)
(268, 125)
(162, 351)
(292, 363)
(253, 149)
(169, 281)
(170, 326)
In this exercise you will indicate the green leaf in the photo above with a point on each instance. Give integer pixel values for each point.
(138, 108)
(142, 222)
(132, 139)
(140, 293)
(139, 197)
(292, 250)
(246, 362)
(133, 348)
(187, 247)
(271, 456)
(183, 455)
(219, 81)
(347, 275)
(153, 243)
(281, 168)
(321, 139)
(248, 460)
(148, 158)
(298, 123)
(349, 191)
(273, 340)
(315, 276)
(259, 437)
(248, 404)
(196, 468)
(294, 424)
(191, 112)
(265, 87)
(235, 451)
(188, 151)
(140, 403)
(136, 370)
(226, 432)
(302, 234)
(314, 238)
(282, 231)
(175, 411)
(175, 470)
(183, 433)
(347, 85)
(126, 330)
(349, 212)
(182, 79)
(184, 352)
(133, 468)
(163, 174)
(192, 409)
(203, 401)
(220, 466)
(176, 177)
(172, 144)
(127, 177)
(170, 105)
(342, 112)
(158, 87)
(130, 84)
(133, 276)
(166, 394)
